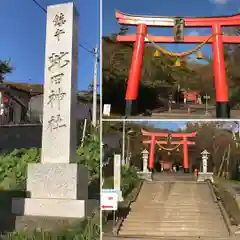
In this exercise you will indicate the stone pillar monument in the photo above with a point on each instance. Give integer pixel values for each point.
(117, 176)
(145, 173)
(205, 175)
(58, 186)
(145, 160)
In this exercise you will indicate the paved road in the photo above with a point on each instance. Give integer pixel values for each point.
(196, 112)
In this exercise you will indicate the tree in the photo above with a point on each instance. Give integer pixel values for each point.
(4, 68)
(216, 138)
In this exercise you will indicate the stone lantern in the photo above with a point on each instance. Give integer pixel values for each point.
(205, 175)
(205, 154)
(145, 155)
(145, 173)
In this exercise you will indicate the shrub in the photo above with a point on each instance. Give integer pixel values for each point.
(13, 168)
(89, 155)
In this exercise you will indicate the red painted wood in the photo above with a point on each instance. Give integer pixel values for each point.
(160, 134)
(161, 21)
(187, 39)
(185, 153)
(219, 65)
(137, 58)
(165, 142)
(152, 153)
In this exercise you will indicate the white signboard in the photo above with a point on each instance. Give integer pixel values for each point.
(109, 200)
(106, 109)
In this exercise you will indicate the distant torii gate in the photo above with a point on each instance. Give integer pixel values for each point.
(153, 141)
(217, 41)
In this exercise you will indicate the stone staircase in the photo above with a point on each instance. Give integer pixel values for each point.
(178, 209)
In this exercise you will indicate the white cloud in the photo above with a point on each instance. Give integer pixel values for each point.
(193, 33)
(181, 125)
(222, 2)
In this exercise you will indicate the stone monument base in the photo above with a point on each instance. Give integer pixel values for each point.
(55, 190)
(57, 181)
(53, 207)
(36, 223)
(205, 176)
(145, 175)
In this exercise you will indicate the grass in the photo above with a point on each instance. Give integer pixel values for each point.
(88, 229)
(234, 181)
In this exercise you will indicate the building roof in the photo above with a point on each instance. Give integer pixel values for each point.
(32, 89)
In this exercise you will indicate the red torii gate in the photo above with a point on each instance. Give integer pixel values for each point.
(153, 141)
(217, 41)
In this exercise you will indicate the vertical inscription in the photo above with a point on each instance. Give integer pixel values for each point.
(56, 63)
(58, 22)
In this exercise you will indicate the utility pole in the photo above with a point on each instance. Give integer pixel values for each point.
(94, 106)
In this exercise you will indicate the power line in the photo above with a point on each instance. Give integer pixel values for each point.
(44, 10)
(92, 52)
(39, 5)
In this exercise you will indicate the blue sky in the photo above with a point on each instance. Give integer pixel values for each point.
(176, 125)
(168, 8)
(171, 125)
(23, 31)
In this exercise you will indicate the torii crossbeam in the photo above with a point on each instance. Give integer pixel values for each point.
(217, 41)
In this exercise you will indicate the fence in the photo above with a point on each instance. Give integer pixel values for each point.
(27, 136)
(20, 136)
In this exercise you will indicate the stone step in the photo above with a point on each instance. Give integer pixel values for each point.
(156, 202)
(186, 202)
(186, 210)
(179, 225)
(173, 221)
(175, 215)
(181, 200)
(213, 207)
(185, 198)
(175, 210)
(171, 233)
(142, 217)
(172, 212)
(169, 227)
(150, 233)
(105, 237)
(174, 201)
